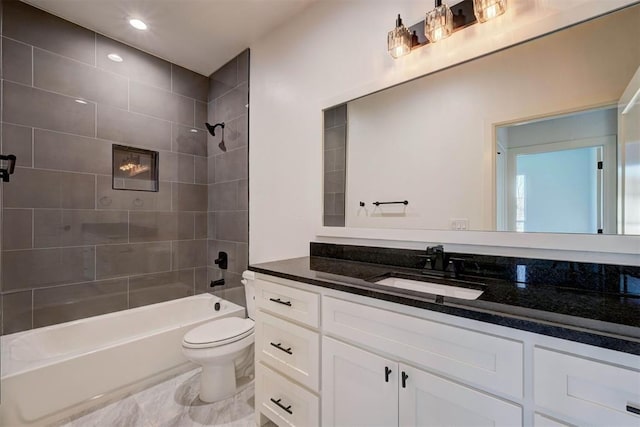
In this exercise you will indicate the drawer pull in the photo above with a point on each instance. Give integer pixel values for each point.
(404, 379)
(387, 372)
(633, 409)
(284, 408)
(279, 301)
(279, 347)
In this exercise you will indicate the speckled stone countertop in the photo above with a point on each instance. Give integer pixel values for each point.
(588, 303)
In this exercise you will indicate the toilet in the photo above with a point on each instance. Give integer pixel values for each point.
(219, 345)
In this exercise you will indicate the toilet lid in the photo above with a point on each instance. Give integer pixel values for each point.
(219, 331)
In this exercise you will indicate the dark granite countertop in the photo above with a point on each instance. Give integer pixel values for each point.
(574, 313)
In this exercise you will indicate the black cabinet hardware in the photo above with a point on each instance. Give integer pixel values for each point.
(404, 379)
(387, 372)
(284, 408)
(633, 409)
(279, 347)
(279, 301)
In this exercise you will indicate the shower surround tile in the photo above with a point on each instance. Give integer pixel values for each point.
(16, 311)
(72, 302)
(16, 229)
(132, 259)
(160, 226)
(137, 65)
(39, 28)
(61, 151)
(59, 228)
(18, 141)
(27, 106)
(38, 268)
(132, 128)
(62, 75)
(72, 245)
(37, 188)
(161, 104)
(16, 60)
(186, 82)
(154, 288)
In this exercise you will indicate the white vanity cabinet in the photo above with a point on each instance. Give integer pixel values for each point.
(360, 361)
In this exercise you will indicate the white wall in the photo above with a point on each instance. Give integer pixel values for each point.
(334, 52)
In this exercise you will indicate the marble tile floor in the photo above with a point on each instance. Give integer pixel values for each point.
(173, 403)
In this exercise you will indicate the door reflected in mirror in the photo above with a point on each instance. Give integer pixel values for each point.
(558, 175)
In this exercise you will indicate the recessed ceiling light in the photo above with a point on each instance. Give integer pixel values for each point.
(81, 101)
(137, 24)
(115, 57)
(194, 130)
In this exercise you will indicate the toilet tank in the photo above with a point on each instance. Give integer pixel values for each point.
(248, 280)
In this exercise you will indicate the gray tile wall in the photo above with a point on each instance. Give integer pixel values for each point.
(228, 206)
(72, 246)
(335, 143)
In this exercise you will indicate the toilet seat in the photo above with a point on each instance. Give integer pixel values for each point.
(218, 332)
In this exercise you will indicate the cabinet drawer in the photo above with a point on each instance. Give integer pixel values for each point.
(485, 361)
(288, 348)
(295, 304)
(284, 402)
(588, 391)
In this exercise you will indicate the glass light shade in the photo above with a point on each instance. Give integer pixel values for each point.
(488, 9)
(438, 23)
(399, 40)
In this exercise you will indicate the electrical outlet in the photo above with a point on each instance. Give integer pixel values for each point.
(459, 224)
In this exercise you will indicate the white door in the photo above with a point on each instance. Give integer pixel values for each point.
(429, 400)
(359, 388)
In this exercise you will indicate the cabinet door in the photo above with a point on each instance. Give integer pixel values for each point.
(429, 400)
(359, 388)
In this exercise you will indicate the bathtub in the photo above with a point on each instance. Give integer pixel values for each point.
(53, 372)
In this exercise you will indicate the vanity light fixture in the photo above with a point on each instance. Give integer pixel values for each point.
(399, 40)
(137, 24)
(438, 23)
(115, 57)
(488, 9)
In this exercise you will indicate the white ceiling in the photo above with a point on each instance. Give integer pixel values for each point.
(201, 35)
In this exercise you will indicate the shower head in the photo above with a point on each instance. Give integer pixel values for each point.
(212, 131)
(212, 128)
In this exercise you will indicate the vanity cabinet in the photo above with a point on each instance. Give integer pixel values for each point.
(330, 358)
(362, 388)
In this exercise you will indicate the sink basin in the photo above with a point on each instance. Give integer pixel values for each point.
(431, 288)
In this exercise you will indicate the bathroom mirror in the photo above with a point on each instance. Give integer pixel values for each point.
(531, 138)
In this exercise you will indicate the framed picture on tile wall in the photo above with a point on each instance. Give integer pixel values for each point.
(134, 169)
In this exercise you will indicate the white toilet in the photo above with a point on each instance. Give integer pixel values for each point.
(219, 344)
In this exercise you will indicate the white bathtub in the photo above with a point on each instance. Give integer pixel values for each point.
(50, 373)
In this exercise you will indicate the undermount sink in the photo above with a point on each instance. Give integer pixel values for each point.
(431, 288)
